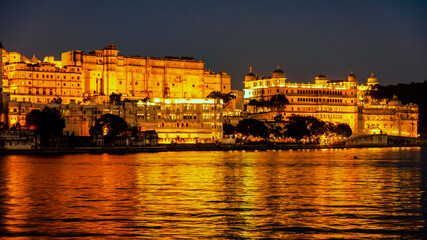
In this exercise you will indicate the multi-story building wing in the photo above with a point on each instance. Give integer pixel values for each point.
(336, 101)
(135, 77)
(81, 77)
(389, 117)
(42, 82)
(174, 120)
(179, 120)
(333, 101)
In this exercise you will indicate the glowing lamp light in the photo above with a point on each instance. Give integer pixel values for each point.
(105, 130)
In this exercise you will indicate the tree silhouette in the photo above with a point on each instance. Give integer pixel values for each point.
(252, 127)
(109, 126)
(279, 101)
(48, 123)
(228, 129)
(226, 97)
(343, 130)
(297, 127)
(115, 98)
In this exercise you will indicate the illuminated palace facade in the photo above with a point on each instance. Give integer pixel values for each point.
(81, 76)
(174, 88)
(336, 101)
(175, 120)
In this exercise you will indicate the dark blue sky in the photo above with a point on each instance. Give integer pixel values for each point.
(305, 38)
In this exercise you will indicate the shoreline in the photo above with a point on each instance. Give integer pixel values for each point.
(189, 147)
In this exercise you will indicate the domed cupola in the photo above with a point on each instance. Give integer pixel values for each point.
(250, 76)
(321, 77)
(110, 47)
(321, 80)
(372, 80)
(394, 101)
(351, 77)
(278, 73)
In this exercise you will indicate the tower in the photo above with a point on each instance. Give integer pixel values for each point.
(1, 67)
(109, 80)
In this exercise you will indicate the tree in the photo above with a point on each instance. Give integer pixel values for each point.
(228, 129)
(254, 103)
(256, 128)
(48, 123)
(316, 127)
(115, 98)
(278, 118)
(226, 97)
(343, 130)
(297, 127)
(109, 126)
(380, 92)
(279, 101)
(264, 103)
(276, 131)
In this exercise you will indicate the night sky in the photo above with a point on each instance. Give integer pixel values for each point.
(305, 38)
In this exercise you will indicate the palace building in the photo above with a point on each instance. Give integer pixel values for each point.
(81, 77)
(174, 120)
(169, 95)
(336, 101)
(163, 94)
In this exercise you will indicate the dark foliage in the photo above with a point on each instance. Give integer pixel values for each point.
(297, 127)
(48, 123)
(252, 127)
(279, 101)
(226, 97)
(229, 129)
(343, 130)
(114, 125)
(115, 98)
(300, 127)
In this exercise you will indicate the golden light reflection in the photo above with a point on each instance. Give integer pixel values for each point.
(233, 194)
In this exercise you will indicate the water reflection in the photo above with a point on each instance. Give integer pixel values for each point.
(278, 194)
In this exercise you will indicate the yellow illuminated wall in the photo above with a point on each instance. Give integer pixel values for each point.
(175, 120)
(81, 77)
(336, 101)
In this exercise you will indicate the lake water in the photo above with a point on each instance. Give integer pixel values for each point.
(304, 194)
